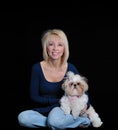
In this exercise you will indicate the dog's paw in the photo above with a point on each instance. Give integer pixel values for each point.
(97, 124)
(66, 111)
(75, 116)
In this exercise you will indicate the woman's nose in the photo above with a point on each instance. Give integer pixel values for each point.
(55, 47)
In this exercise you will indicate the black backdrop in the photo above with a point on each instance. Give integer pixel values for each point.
(92, 33)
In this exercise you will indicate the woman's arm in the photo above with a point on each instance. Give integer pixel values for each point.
(35, 86)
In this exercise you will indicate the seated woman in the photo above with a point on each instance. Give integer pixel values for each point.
(45, 87)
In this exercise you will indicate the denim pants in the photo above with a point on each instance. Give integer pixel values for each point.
(56, 120)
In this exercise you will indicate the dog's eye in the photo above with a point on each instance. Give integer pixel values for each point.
(71, 84)
(78, 83)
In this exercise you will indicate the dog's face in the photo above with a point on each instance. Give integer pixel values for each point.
(74, 84)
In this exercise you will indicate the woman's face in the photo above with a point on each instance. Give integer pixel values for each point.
(55, 47)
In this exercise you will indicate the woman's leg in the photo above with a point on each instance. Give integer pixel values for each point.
(32, 119)
(57, 119)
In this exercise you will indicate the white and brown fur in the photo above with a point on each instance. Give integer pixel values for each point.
(75, 99)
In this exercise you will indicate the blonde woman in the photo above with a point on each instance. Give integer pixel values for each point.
(45, 87)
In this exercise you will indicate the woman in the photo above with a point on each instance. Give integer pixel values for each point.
(45, 88)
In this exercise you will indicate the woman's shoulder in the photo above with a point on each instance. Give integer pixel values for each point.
(71, 64)
(36, 66)
(72, 67)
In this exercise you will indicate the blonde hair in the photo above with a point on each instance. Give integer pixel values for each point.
(45, 40)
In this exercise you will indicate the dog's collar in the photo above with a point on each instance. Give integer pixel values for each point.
(75, 96)
(72, 98)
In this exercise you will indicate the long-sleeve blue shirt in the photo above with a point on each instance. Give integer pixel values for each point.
(45, 94)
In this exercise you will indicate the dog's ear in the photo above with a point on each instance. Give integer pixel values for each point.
(86, 86)
(84, 83)
(64, 85)
(65, 80)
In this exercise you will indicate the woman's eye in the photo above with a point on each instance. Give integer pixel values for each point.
(60, 45)
(50, 44)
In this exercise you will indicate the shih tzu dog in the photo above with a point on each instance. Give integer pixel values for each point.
(75, 99)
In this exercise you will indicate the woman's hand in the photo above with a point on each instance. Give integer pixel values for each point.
(83, 110)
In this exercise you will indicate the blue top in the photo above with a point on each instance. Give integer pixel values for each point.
(45, 94)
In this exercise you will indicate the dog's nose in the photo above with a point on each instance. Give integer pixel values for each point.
(75, 85)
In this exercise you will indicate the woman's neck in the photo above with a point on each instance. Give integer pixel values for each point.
(54, 64)
(53, 71)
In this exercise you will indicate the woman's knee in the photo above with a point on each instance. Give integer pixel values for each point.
(55, 122)
(55, 118)
(21, 118)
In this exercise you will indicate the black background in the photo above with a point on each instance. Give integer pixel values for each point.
(92, 31)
